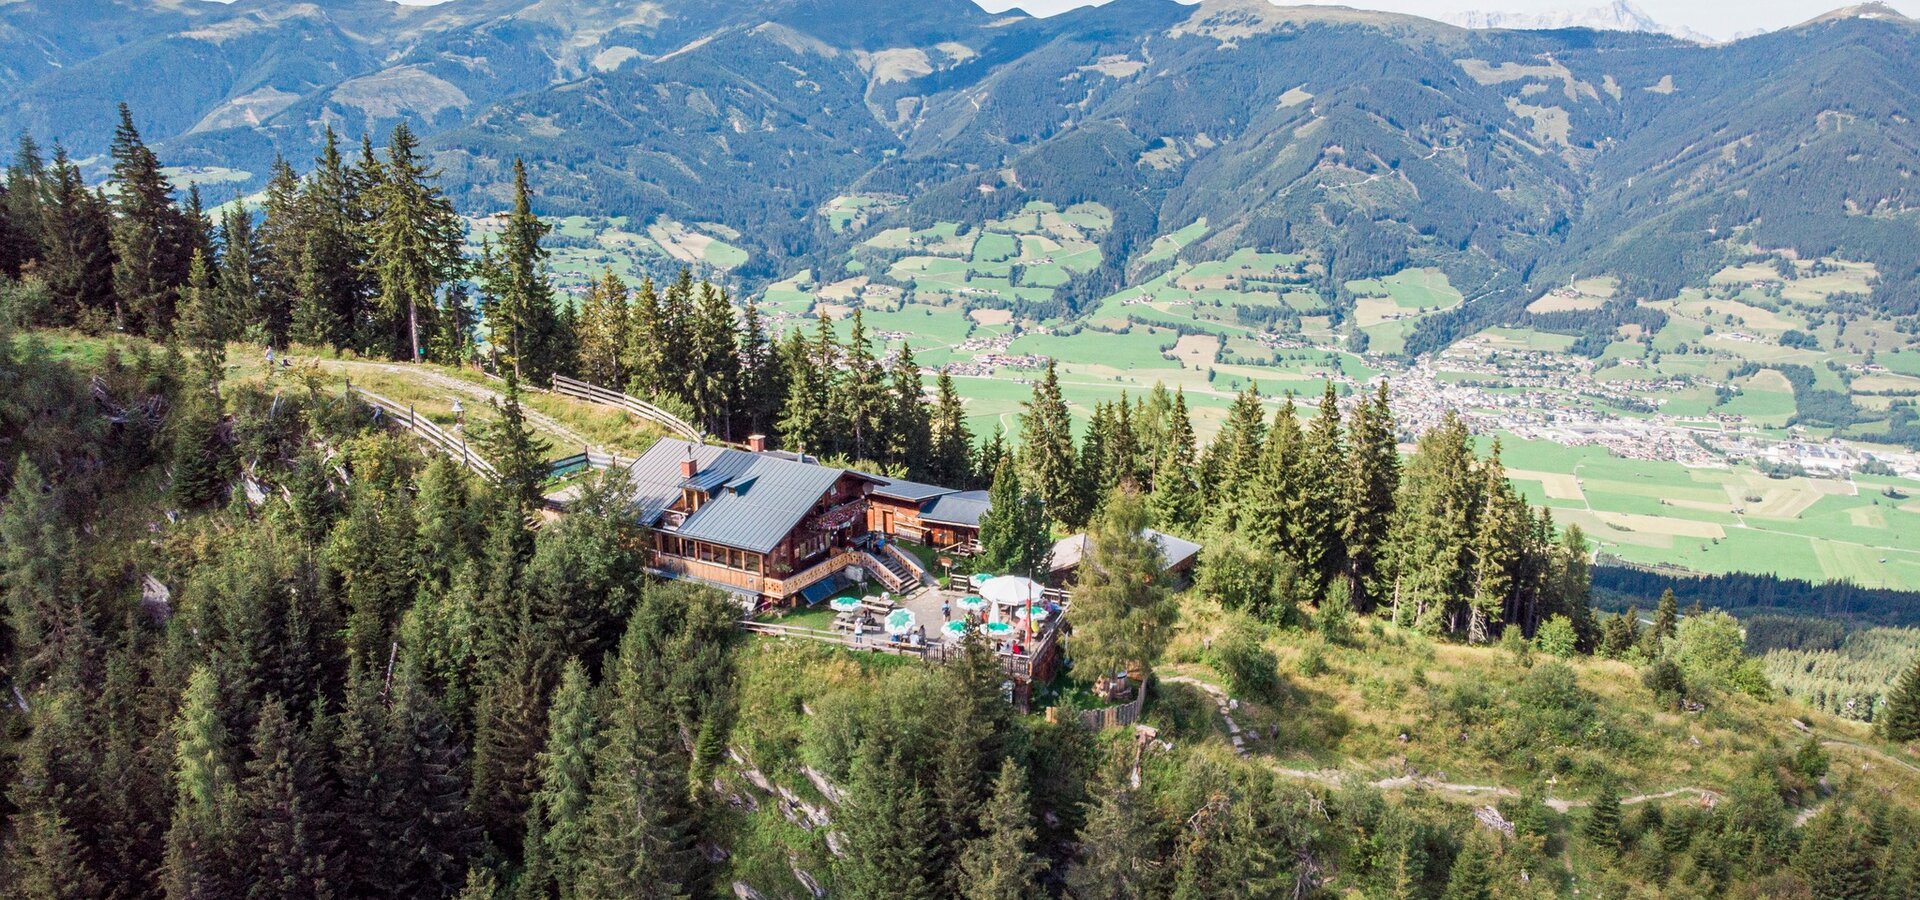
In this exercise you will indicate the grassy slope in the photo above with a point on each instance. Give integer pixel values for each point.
(1465, 710)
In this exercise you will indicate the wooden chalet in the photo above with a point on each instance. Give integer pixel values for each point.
(771, 526)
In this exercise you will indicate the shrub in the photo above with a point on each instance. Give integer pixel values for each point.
(1250, 670)
(1557, 637)
(1666, 681)
(1335, 618)
(1313, 662)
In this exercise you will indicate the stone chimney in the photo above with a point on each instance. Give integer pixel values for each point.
(757, 443)
(689, 467)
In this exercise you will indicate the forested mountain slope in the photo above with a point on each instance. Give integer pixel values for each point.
(1370, 141)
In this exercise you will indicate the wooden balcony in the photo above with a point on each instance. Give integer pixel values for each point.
(766, 585)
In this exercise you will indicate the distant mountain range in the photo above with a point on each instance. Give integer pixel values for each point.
(1510, 158)
(1616, 16)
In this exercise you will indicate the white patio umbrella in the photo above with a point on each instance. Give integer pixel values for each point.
(844, 603)
(1012, 590)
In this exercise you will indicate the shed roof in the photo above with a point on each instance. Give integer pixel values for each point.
(910, 491)
(1069, 552)
(959, 508)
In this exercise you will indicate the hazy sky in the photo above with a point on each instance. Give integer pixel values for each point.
(1718, 18)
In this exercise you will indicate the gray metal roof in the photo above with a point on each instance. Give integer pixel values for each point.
(1068, 552)
(656, 474)
(960, 508)
(910, 491)
(761, 504)
(753, 499)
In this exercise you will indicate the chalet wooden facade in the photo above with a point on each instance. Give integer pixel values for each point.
(772, 525)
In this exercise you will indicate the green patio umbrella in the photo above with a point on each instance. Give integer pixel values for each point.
(971, 603)
(999, 629)
(979, 578)
(900, 621)
(844, 604)
(954, 630)
(1037, 613)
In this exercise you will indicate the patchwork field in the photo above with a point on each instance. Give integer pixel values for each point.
(1732, 519)
(581, 248)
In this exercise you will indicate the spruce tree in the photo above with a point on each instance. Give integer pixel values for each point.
(1116, 859)
(1001, 863)
(151, 242)
(283, 239)
(763, 375)
(518, 455)
(1602, 828)
(201, 853)
(1499, 533)
(860, 399)
(509, 728)
(1370, 479)
(1176, 502)
(558, 816)
(1013, 531)
(329, 297)
(1900, 720)
(1666, 623)
(890, 831)
(421, 767)
(415, 238)
(640, 832)
(1273, 495)
(204, 464)
(646, 350)
(1316, 539)
(203, 325)
(1046, 450)
(47, 621)
(993, 450)
(1122, 461)
(1471, 877)
(77, 262)
(806, 420)
(714, 373)
(48, 855)
(522, 317)
(1232, 464)
(287, 841)
(950, 454)
(25, 198)
(1123, 610)
(1432, 535)
(909, 424)
(1091, 468)
(604, 332)
(242, 299)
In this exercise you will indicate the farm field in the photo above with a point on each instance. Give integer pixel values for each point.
(581, 248)
(1732, 519)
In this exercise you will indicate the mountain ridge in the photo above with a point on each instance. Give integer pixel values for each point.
(1508, 158)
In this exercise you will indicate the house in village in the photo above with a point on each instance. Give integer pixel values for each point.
(772, 525)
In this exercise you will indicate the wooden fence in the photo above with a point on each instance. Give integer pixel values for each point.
(1108, 717)
(420, 425)
(592, 393)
